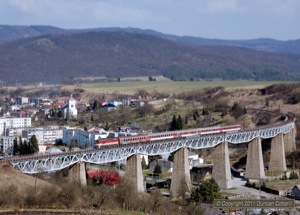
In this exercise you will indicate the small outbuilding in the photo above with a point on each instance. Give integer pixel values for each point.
(296, 191)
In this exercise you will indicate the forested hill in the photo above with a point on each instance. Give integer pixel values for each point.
(63, 58)
(10, 33)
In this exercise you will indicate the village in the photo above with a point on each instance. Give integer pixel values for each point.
(20, 113)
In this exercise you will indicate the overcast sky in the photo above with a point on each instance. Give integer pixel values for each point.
(222, 19)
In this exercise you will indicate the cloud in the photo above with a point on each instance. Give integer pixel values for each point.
(26, 6)
(279, 7)
(222, 5)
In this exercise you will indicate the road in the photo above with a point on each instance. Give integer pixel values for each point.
(240, 189)
(250, 192)
(239, 184)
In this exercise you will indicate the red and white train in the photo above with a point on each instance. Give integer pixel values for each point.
(166, 135)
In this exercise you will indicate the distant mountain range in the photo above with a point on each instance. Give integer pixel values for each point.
(30, 54)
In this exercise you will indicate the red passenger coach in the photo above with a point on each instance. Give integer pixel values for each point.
(133, 139)
(106, 142)
(162, 136)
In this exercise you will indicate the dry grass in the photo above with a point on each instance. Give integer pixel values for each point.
(252, 98)
(170, 87)
(10, 176)
(246, 93)
(282, 184)
(85, 200)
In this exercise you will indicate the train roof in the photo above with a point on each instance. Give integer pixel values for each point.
(192, 129)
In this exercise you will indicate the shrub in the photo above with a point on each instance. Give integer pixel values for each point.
(248, 183)
(207, 192)
(237, 110)
(293, 175)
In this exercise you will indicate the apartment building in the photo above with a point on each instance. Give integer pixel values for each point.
(83, 137)
(45, 135)
(17, 122)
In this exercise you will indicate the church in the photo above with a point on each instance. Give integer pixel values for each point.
(69, 110)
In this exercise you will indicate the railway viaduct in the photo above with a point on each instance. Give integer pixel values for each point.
(282, 141)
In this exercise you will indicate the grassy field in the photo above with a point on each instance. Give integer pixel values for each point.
(282, 184)
(168, 87)
(123, 212)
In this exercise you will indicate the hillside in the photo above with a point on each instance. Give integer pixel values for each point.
(64, 58)
(10, 33)
(14, 32)
(11, 177)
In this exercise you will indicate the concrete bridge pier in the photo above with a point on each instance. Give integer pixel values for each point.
(255, 163)
(134, 173)
(277, 157)
(181, 177)
(221, 168)
(78, 174)
(289, 141)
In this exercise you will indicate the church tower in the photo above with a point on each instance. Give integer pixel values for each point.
(72, 110)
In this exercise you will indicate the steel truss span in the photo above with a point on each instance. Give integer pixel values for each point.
(53, 162)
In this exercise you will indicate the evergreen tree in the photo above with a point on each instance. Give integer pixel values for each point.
(238, 110)
(179, 124)
(16, 149)
(196, 115)
(157, 169)
(207, 192)
(26, 148)
(33, 143)
(173, 123)
(144, 165)
(171, 157)
(205, 111)
(59, 142)
(22, 147)
(95, 104)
